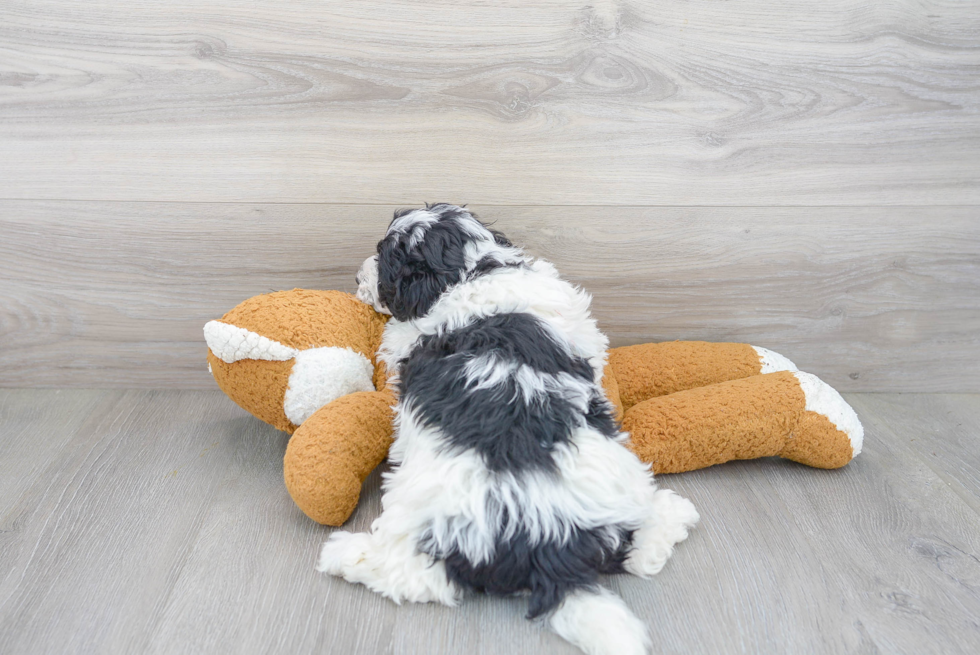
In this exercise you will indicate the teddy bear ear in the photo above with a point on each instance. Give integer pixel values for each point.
(231, 343)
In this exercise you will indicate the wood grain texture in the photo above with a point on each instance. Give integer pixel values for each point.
(114, 518)
(162, 526)
(941, 429)
(603, 103)
(115, 294)
(34, 428)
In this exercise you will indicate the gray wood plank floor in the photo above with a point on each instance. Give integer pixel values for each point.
(157, 521)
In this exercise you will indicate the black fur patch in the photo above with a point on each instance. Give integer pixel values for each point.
(412, 277)
(510, 432)
(601, 417)
(488, 264)
(549, 570)
(413, 273)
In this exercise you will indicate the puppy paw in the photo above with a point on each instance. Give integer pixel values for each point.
(675, 512)
(392, 567)
(650, 553)
(343, 553)
(653, 544)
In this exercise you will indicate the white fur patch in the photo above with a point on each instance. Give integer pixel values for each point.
(773, 361)
(367, 285)
(535, 289)
(669, 524)
(414, 223)
(487, 371)
(390, 565)
(230, 343)
(824, 399)
(599, 623)
(321, 375)
(474, 251)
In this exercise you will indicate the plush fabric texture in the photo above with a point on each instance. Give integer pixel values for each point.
(824, 400)
(757, 416)
(657, 369)
(231, 343)
(304, 318)
(257, 386)
(335, 338)
(331, 454)
(321, 375)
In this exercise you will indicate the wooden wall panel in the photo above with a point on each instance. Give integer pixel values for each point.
(748, 102)
(114, 294)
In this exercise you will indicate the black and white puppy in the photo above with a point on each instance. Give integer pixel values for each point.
(509, 473)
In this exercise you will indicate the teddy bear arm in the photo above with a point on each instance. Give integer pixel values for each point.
(651, 370)
(334, 450)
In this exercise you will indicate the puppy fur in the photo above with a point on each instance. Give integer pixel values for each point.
(508, 470)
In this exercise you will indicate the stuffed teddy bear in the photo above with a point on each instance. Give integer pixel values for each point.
(305, 362)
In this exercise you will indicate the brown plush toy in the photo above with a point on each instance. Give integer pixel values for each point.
(305, 362)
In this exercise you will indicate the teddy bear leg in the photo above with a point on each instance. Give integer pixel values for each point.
(650, 370)
(334, 450)
(790, 414)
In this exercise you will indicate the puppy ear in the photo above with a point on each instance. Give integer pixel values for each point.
(500, 239)
(415, 269)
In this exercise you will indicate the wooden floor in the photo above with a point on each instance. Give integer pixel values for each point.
(157, 521)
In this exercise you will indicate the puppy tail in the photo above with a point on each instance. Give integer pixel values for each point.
(598, 621)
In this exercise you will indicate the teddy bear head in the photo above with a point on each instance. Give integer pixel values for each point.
(281, 356)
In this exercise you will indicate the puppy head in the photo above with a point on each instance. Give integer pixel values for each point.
(426, 251)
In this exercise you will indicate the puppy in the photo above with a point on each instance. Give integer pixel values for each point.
(509, 473)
